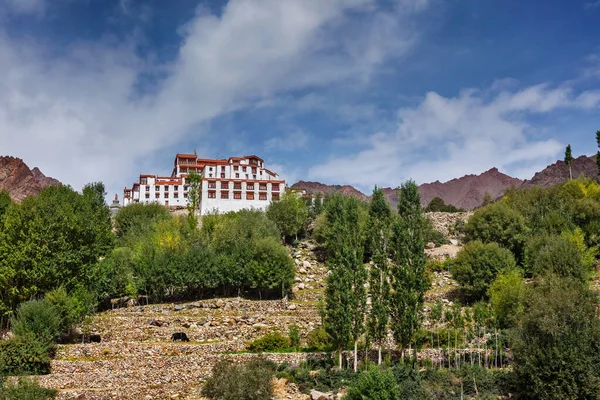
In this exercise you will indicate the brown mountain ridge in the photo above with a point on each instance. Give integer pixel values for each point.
(468, 191)
(19, 181)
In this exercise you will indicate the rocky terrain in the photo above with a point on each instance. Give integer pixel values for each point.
(137, 360)
(19, 181)
(559, 172)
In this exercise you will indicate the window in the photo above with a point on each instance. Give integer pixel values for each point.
(263, 186)
(143, 181)
(185, 188)
(147, 195)
(253, 176)
(147, 188)
(224, 195)
(237, 195)
(275, 196)
(185, 195)
(212, 185)
(224, 185)
(236, 168)
(249, 196)
(254, 170)
(176, 188)
(157, 195)
(222, 174)
(166, 188)
(275, 187)
(156, 188)
(237, 186)
(250, 186)
(262, 196)
(212, 195)
(176, 195)
(237, 175)
(210, 168)
(210, 175)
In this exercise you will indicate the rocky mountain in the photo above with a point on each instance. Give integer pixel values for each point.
(19, 180)
(559, 172)
(468, 191)
(316, 187)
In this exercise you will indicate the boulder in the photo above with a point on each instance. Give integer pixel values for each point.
(292, 307)
(316, 395)
(220, 303)
(306, 264)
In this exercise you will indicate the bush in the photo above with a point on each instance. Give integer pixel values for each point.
(477, 265)
(437, 204)
(374, 384)
(39, 318)
(318, 340)
(507, 294)
(270, 342)
(249, 381)
(25, 355)
(25, 389)
(556, 349)
(555, 255)
(498, 223)
(294, 336)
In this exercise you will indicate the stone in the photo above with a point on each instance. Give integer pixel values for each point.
(302, 271)
(178, 307)
(220, 303)
(301, 286)
(154, 322)
(430, 245)
(298, 262)
(306, 264)
(260, 326)
(316, 395)
(292, 307)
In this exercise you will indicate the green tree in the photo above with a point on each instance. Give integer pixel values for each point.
(374, 384)
(408, 280)
(569, 159)
(557, 347)
(289, 214)
(378, 235)
(476, 266)
(5, 202)
(194, 194)
(139, 218)
(500, 224)
(507, 296)
(271, 267)
(557, 255)
(437, 204)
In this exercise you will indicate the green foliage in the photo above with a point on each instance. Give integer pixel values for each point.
(271, 267)
(5, 202)
(25, 389)
(466, 383)
(437, 204)
(249, 381)
(477, 264)
(38, 318)
(498, 223)
(433, 235)
(318, 340)
(289, 214)
(139, 217)
(25, 354)
(598, 153)
(507, 296)
(557, 255)
(569, 159)
(71, 309)
(408, 279)
(294, 336)
(375, 384)
(194, 182)
(556, 349)
(273, 341)
(52, 240)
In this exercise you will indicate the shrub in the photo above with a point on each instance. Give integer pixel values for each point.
(249, 381)
(39, 318)
(477, 265)
(319, 340)
(437, 204)
(294, 336)
(25, 389)
(498, 223)
(25, 355)
(556, 349)
(374, 384)
(555, 255)
(270, 342)
(507, 294)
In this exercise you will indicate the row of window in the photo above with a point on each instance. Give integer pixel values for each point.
(238, 186)
(175, 188)
(175, 195)
(238, 196)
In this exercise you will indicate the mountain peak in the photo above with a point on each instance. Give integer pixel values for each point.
(19, 181)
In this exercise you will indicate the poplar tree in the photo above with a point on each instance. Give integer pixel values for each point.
(378, 234)
(569, 159)
(598, 152)
(346, 297)
(194, 180)
(408, 281)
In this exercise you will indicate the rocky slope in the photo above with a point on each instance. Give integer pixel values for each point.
(19, 180)
(316, 187)
(559, 172)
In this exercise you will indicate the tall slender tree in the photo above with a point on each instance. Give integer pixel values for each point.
(378, 233)
(408, 281)
(194, 180)
(598, 152)
(569, 159)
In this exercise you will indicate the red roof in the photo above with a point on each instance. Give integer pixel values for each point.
(256, 157)
(180, 155)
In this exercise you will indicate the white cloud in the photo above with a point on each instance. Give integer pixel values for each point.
(80, 116)
(26, 7)
(443, 138)
(289, 141)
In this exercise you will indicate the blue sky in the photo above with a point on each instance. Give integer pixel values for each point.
(359, 92)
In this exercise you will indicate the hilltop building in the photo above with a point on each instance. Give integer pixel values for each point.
(227, 184)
